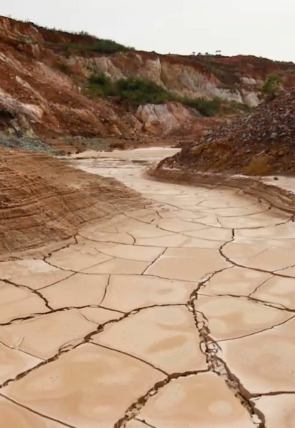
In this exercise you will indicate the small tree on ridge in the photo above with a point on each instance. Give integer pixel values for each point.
(271, 86)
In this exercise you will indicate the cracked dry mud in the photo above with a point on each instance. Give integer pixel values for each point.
(178, 315)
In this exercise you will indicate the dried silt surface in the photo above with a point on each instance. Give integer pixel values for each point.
(176, 313)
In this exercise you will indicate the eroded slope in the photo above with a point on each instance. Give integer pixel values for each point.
(44, 74)
(43, 200)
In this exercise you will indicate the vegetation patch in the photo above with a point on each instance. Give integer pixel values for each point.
(206, 107)
(271, 86)
(101, 85)
(134, 91)
(102, 46)
(233, 107)
(143, 91)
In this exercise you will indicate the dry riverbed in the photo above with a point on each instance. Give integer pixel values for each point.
(180, 314)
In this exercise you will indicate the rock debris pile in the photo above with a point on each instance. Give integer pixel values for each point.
(259, 143)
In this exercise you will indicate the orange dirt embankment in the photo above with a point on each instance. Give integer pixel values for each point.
(44, 201)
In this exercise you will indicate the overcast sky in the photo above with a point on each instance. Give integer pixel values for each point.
(259, 27)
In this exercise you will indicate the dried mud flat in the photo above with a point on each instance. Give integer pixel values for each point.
(178, 314)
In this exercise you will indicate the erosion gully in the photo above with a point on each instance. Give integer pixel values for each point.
(178, 314)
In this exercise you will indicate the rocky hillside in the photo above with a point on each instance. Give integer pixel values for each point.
(44, 87)
(237, 79)
(259, 143)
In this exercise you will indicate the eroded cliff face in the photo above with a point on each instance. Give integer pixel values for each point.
(35, 94)
(42, 85)
(230, 78)
(164, 118)
(181, 79)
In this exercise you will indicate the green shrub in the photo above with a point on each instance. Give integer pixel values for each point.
(134, 91)
(101, 85)
(108, 46)
(102, 46)
(142, 91)
(204, 106)
(271, 86)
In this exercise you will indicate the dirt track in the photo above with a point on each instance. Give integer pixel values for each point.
(179, 314)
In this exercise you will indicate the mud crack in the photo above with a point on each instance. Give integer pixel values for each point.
(133, 411)
(216, 364)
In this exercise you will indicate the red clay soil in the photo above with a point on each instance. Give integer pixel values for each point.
(259, 143)
(44, 201)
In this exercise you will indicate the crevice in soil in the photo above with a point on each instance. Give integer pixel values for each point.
(257, 332)
(132, 356)
(133, 411)
(78, 342)
(212, 350)
(37, 413)
(36, 292)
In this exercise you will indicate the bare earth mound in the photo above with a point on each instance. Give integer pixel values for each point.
(259, 143)
(43, 200)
